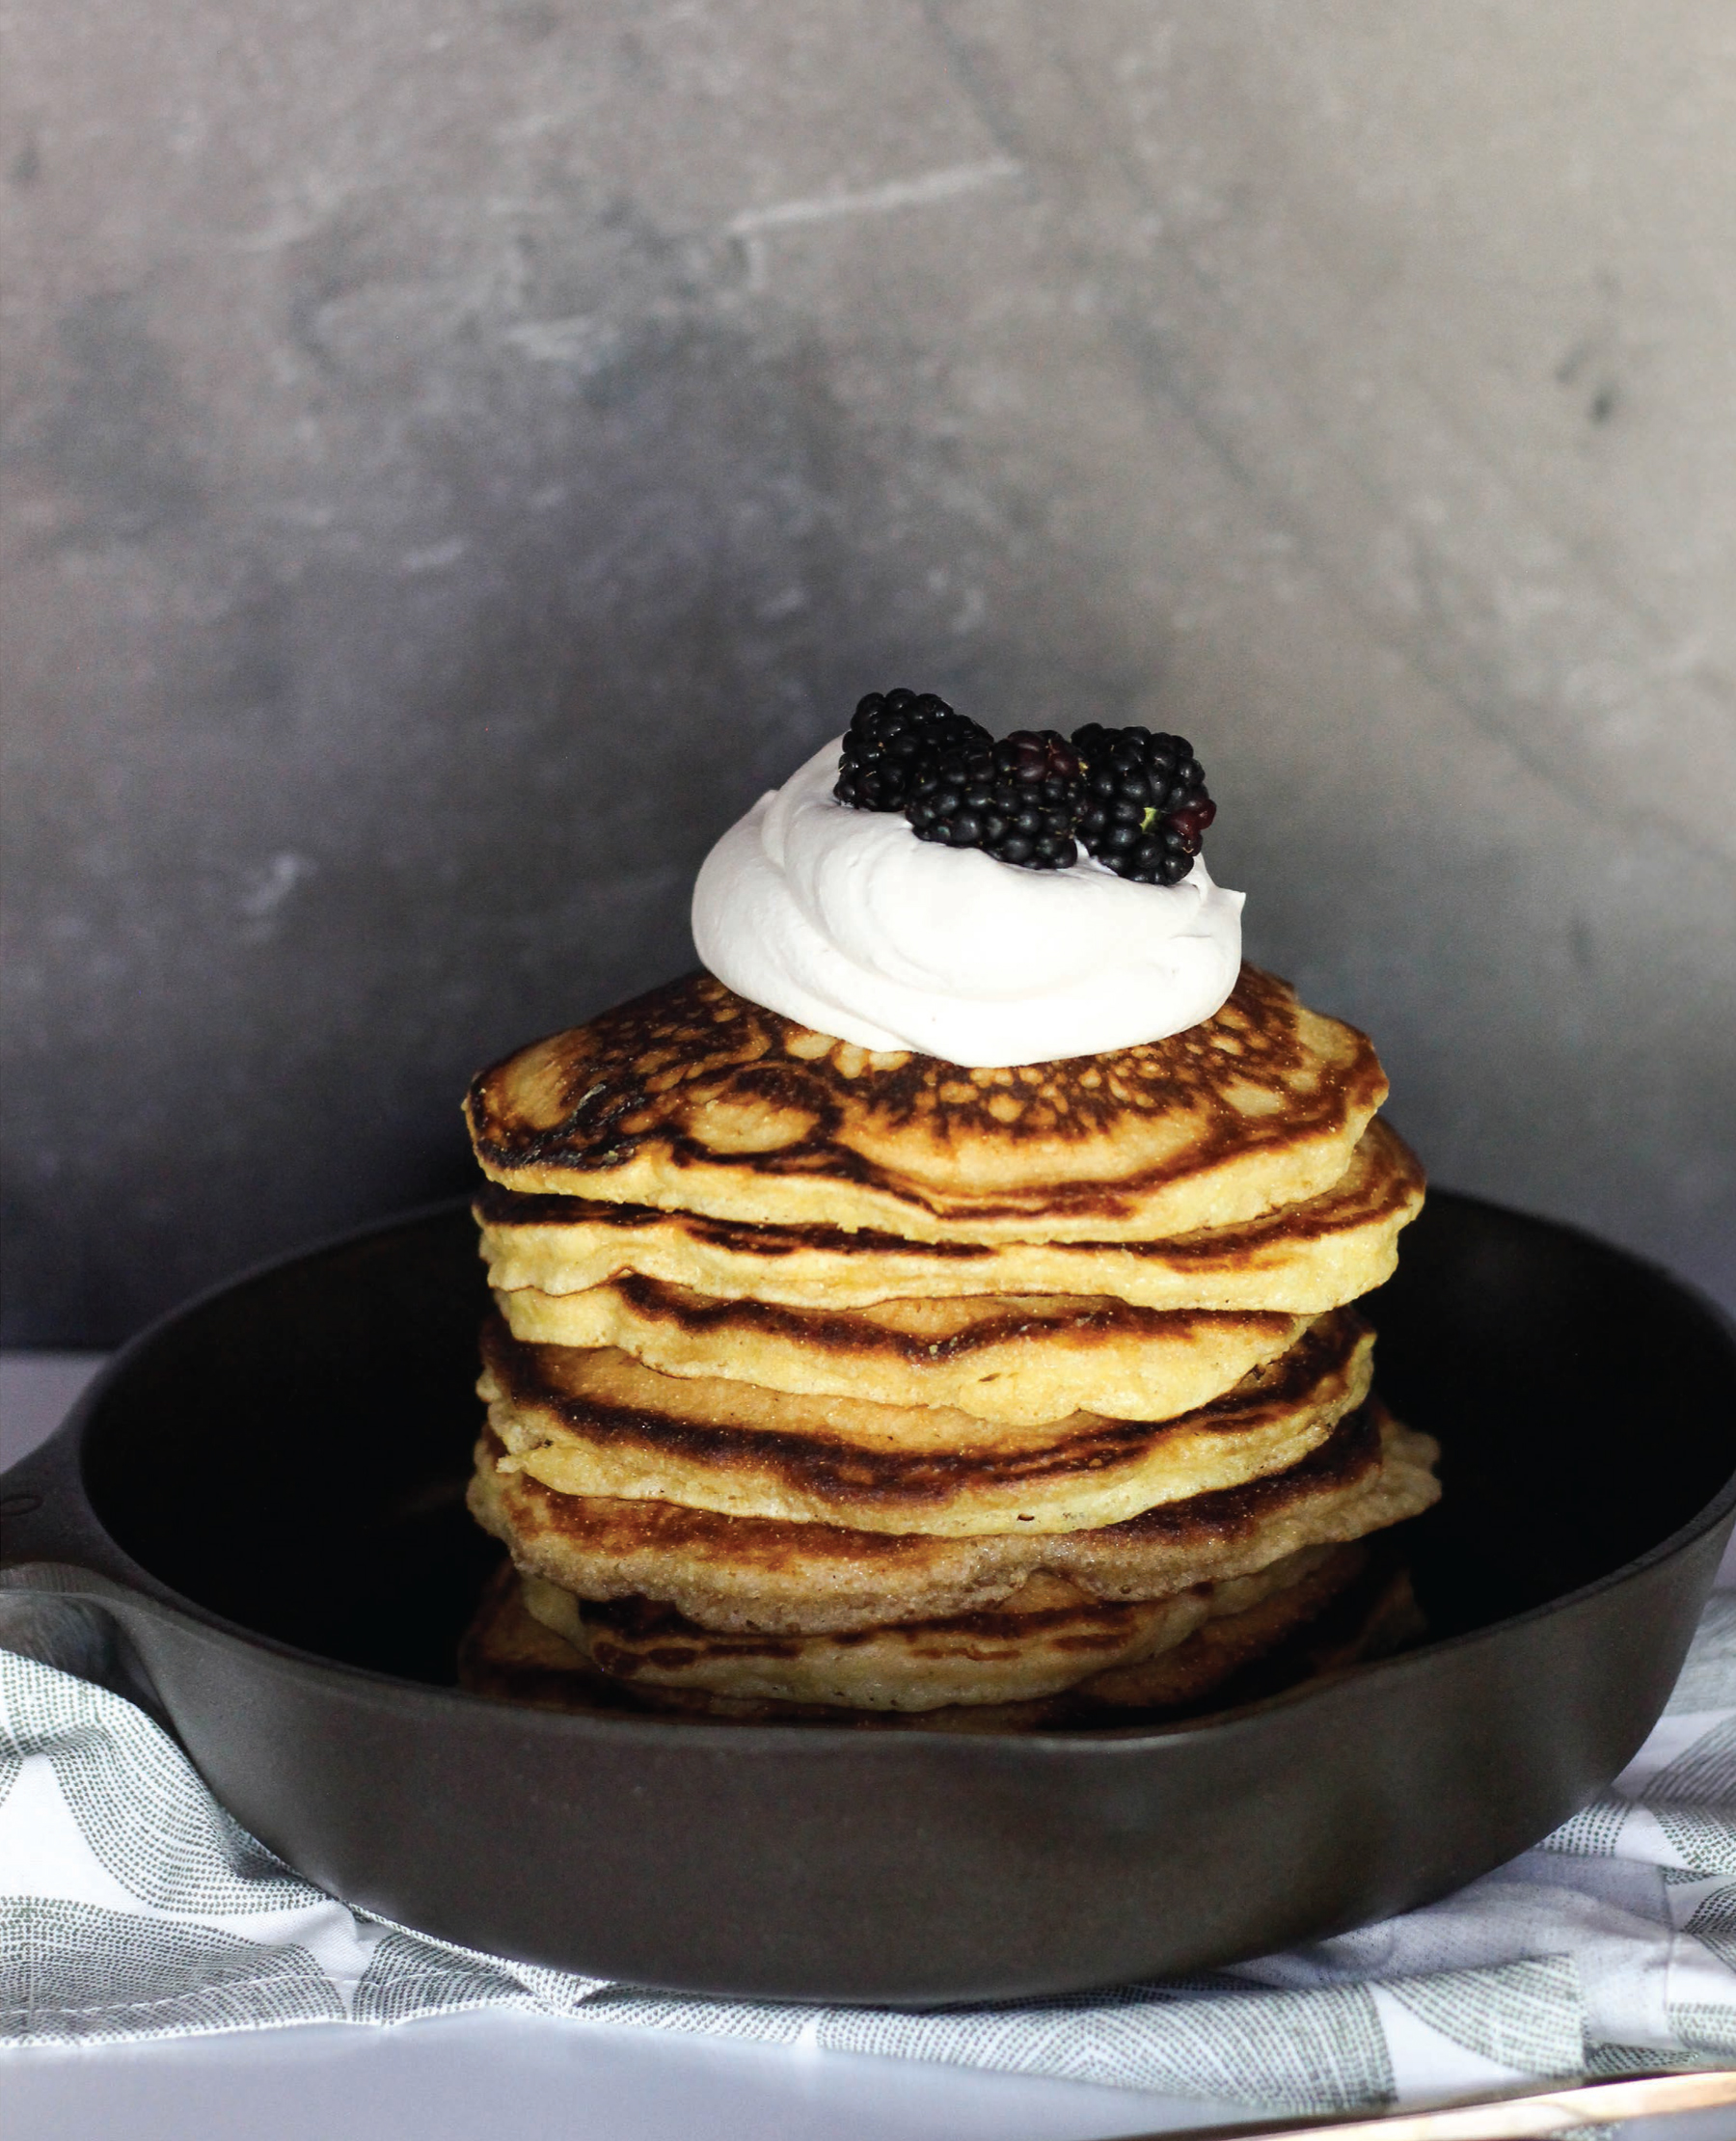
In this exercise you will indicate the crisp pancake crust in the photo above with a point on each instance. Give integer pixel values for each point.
(599, 1423)
(758, 1574)
(691, 1098)
(1021, 1359)
(1301, 1260)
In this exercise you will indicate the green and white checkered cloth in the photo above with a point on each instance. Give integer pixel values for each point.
(132, 1906)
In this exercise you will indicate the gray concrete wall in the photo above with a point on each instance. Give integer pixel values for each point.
(460, 451)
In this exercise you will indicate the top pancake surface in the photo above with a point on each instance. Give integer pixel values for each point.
(691, 1099)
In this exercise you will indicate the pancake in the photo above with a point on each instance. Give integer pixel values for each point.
(1300, 1260)
(691, 1098)
(1323, 1622)
(1228, 1643)
(758, 1574)
(1048, 1636)
(1021, 1359)
(599, 1422)
(509, 1657)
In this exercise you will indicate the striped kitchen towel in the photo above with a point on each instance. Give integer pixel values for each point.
(132, 1906)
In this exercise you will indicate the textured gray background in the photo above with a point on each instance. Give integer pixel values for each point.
(460, 451)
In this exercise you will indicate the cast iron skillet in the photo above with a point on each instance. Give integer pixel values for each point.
(264, 1491)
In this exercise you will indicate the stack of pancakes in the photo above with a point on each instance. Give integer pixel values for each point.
(832, 1384)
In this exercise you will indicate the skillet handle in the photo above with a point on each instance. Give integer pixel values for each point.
(46, 1522)
(69, 1595)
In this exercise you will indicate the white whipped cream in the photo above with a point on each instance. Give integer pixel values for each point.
(845, 922)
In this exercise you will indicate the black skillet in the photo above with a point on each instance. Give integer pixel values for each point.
(265, 1492)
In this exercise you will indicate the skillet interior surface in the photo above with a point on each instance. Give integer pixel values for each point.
(293, 1454)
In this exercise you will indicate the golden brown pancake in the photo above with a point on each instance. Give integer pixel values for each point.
(1320, 1623)
(1016, 1358)
(758, 1574)
(599, 1423)
(691, 1098)
(1299, 1259)
(1048, 1636)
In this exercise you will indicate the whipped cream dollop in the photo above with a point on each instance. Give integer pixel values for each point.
(845, 922)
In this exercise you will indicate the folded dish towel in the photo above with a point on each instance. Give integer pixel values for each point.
(132, 1906)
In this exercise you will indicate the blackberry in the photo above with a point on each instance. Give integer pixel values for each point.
(1018, 799)
(1146, 808)
(888, 732)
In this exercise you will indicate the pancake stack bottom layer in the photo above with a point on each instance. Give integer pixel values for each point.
(826, 1385)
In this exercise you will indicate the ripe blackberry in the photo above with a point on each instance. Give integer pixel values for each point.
(887, 733)
(1146, 806)
(1017, 800)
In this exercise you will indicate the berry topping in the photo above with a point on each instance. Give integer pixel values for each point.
(1146, 808)
(1134, 799)
(1018, 799)
(888, 733)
